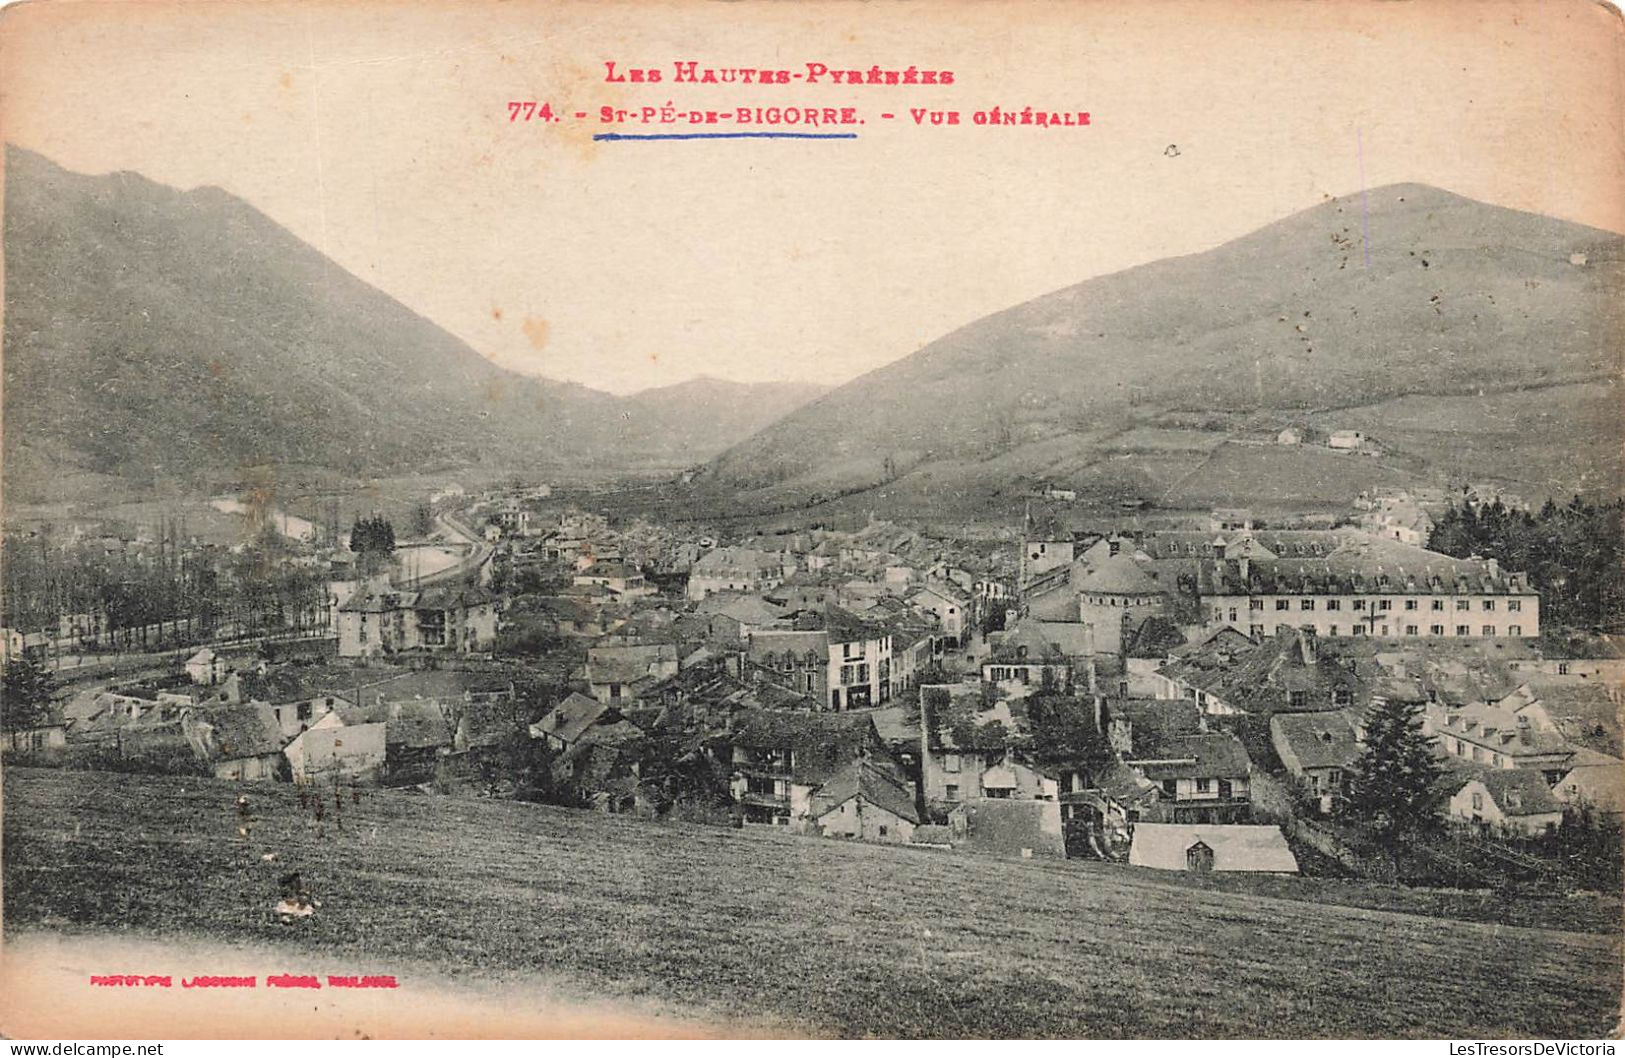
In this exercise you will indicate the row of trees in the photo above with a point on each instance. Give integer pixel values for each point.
(1574, 555)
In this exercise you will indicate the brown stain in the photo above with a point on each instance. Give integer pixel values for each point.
(496, 391)
(286, 80)
(496, 314)
(535, 328)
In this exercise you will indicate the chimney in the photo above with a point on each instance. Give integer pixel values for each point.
(1306, 645)
(1113, 546)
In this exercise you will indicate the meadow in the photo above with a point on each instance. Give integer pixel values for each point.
(817, 936)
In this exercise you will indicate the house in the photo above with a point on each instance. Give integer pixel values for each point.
(615, 673)
(1203, 778)
(566, 722)
(452, 618)
(53, 734)
(624, 580)
(1209, 849)
(781, 758)
(866, 802)
(1023, 660)
(1594, 785)
(1229, 675)
(1289, 436)
(236, 741)
(416, 735)
(948, 606)
(601, 767)
(795, 659)
(860, 660)
(1512, 801)
(1345, 439)
(741, 616)
(205, 668)
(1319, 749)
(1230, 519)
(1494, 736)
(1000, 827)
(337, 753)
(1582, 710)
(1143, 725)
(737, 569)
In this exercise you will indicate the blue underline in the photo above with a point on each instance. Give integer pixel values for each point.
(726, 136)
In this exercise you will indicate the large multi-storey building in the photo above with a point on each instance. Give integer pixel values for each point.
(1349, 583)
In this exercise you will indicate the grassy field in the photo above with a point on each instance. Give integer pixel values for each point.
(823, 937)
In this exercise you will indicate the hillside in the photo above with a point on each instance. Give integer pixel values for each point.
(1292, 321)
(829, 937)
(690, 416)
(152, 333)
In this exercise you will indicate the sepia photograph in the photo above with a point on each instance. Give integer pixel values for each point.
(816, 519)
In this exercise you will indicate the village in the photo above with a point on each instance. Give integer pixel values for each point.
(1218, 694)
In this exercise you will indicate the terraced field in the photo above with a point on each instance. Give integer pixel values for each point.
(811, 936)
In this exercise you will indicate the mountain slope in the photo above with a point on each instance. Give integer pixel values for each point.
(1456, 297)
(687, 416)
(154, 333)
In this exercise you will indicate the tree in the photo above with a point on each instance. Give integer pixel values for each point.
(1063, 732)
(373, 541)
(25, 694)
(1395, 782)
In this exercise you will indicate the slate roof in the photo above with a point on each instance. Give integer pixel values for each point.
(877, 785)
(1314, 740)
(228, 732)
(1263, 678)
(567, 720)
(1516, 791)
(1214, 756)
(1117, 575)
(412, 723)
(1235, 847)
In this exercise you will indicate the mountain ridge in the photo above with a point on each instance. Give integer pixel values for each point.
(1408, 289)
(155, 333)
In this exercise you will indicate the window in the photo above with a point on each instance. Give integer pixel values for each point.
(1359, 604)
(1562, 668)
(1438, 604)
(1359, 631)
(1463, 604)
(1255, 604)
(1435, 630)
(1515, 605)
(1204, 785)
(1410, 630)
(1306, 604)
(882, 831)
(1489, 630)
(1298, 699)
(1489, 604)
(1410, 604)
(1232, 615)
(1514, 630)
(1283, 604)
(1463, 630)
(1385, 604)
(1332, 630)
(1334, 604)
(950, 762)
(951, 792)
(1478, 801)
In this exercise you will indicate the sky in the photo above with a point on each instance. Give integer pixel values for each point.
(381, 134)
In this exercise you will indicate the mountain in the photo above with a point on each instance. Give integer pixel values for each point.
(1128, 384)
(687, 416)
(152, 333)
